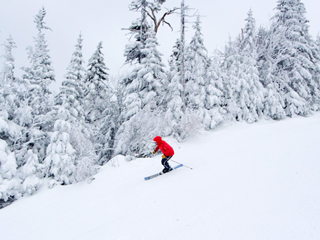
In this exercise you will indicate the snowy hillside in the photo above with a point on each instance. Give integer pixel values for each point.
(258, 181)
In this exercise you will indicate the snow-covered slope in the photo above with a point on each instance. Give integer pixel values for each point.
(258, 181)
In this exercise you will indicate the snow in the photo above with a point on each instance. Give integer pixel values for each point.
(249, 181)
(4, 127)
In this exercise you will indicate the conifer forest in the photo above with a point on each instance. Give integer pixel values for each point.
(59, 139)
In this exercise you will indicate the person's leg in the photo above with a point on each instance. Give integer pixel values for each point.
(165, 163)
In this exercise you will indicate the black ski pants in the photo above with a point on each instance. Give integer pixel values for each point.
(165, 163)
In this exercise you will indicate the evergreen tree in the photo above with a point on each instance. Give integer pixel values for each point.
(10, 185)
(60, 160)
(144, 83)
(249, 91)
(197, 64)
(96, 84)
(142, 88)
(230, 66)
(273, 100)
(72, 90)
(8, 81)
(13, 89)
(98, 98)
(175, 105)
(8, 67)
(138, 30)
(110, 121)
(152, 75)
(41, 73)
(295, 58)
(214, 91)
(132, 51)
(318, 41)
(244, 93)
(175, 58)
(32, 172)
(108, 130)
(40, 100)
(72, 99)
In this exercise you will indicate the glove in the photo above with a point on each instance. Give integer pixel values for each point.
(154, 152)
(163, 156)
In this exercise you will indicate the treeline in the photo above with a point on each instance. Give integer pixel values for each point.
(262, 74)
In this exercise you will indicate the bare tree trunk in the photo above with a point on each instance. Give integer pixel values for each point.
(182, 54)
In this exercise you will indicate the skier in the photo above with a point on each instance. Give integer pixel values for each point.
(167, 151)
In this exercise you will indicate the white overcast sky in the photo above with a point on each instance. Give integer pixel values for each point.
(102, 20)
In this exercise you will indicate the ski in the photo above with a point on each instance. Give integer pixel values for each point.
(161, 173)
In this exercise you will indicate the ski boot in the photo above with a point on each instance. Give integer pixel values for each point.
(165, 170)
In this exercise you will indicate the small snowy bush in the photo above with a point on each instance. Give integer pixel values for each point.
(189, 126)
(85, 169)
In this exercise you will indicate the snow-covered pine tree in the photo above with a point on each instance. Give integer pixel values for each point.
(32, 171)
(152, 76)
(273, 100)
(318, 41)
(130, 83)
(197, 64)
(107, 132)
(249, 92)
(111, 121)
(138, 30)
(72, 90)
(174, 59)
(8, 76)
(142, 88)
(230, 67)
(295, 58)
(132, 51)
(24, 137)
(71, 98)
(186, 121)
(244, 94)
(40, 74)
(97, 89)
(60, 161)
(13, 89)
(7, 91)
(40, 100)
(12, 99)
(174, 103)
(10, 185)
(98, 97)
(8, 80)
(214, 89)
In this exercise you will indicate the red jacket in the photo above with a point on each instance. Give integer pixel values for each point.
(165, 148)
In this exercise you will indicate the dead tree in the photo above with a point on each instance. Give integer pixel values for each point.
(156, 22)
(151, 9)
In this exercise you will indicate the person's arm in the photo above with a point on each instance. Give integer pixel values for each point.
(156, 150)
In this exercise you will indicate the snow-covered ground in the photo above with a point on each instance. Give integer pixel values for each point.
(258, 181)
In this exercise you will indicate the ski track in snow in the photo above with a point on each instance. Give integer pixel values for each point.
(249, 181)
